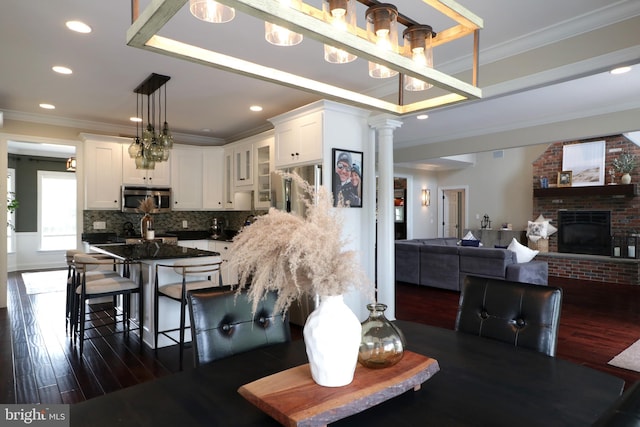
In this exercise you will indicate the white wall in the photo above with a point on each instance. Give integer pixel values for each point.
(422, 221)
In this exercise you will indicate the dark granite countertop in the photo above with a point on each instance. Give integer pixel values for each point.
(152, 251)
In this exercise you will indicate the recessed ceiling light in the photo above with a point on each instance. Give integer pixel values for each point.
(48, 106)
(422, 116)
(135, 119)
(206, 130)
(620, 70)
(78, 27)
(61, 70)
(255, 108)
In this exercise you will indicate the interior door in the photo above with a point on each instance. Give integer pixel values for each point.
(453, 212)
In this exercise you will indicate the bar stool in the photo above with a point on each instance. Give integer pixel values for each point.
(202, 275)
(110, 285)
(106, 270)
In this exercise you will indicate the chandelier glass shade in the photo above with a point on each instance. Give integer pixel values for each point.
(211, 11)
(281, 36)
(154, 146)
(418, 39)
(341, 14)
(382, 29)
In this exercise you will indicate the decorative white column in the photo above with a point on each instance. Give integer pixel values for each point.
(385, 280)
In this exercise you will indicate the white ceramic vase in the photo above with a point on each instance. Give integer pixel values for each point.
(626, 179)
(332, 335)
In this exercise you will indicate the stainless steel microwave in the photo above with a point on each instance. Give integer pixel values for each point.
(132, 196)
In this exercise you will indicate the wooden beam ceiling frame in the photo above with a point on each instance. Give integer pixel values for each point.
(143, 34)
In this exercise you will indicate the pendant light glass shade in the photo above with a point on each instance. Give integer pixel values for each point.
(211, 11)
(382, 29)
(418, 38)
(280, 36)
(341, 14)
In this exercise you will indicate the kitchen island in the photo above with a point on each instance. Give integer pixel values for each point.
(149, 254)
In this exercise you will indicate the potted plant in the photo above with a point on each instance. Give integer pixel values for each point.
(297, 256)
(12, 205)
(625, 165)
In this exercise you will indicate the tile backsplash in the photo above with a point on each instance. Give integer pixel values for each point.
(196, 220)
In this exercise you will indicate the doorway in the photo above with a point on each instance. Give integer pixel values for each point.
(453, 215)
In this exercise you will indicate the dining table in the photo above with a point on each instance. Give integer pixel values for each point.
(481, 382)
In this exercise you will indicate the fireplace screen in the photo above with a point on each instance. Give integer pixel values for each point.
(584, 232)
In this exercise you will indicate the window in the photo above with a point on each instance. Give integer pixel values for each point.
(57, 210)
(11, 216)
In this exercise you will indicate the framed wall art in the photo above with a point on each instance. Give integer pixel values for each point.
(347, 178)
(564, 179)
(586, 163)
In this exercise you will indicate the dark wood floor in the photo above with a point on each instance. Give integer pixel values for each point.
(39, 364)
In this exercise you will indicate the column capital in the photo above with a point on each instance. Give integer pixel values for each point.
(384, 121)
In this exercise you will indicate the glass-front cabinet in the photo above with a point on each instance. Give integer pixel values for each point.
(264, 167)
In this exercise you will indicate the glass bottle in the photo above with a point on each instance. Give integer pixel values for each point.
(382, 342)
(146, 225)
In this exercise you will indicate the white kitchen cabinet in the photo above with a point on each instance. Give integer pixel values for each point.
(229, 273)
(160, 176)
(103, 171)
(227, 179)
(298, 140)
(243, 165)
(264, 166)
(213, 178)
(186, 177)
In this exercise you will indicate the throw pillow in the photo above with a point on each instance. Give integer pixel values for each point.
(467, 242)
(537, 229)
(550, 228)
(523, 253)
(469, 236)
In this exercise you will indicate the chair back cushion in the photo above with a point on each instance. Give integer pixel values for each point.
(222, 324)
(523, 314)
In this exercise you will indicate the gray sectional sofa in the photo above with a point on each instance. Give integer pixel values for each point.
(441, 263)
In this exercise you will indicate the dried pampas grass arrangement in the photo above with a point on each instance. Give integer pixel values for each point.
(147, 205)
(297, 256)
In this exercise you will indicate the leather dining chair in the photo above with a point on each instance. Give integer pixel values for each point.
(522, 314)
(625, 411)
(88, 286)
(222, 324)
(191, 274)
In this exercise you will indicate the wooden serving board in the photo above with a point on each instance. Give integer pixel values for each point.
(293, 399)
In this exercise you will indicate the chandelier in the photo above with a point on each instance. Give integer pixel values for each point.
(288, 21)
(153, 146)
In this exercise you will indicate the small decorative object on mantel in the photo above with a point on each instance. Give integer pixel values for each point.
(618, 246)
(625, 164)
(296, 256)
(147, 230)
(632, 246)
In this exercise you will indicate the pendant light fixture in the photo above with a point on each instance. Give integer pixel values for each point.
(211, 11)
(382, 29)
(418, 38)
(281, 36)
(152, 147)
(377, 44)
(341, 14)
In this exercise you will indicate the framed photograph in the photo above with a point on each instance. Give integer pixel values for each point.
(564, 179)
(586, 162)
(347, 178)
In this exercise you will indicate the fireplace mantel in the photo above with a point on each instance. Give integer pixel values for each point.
(620, 190)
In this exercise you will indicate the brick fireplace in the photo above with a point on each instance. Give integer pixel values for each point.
(620, 201)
